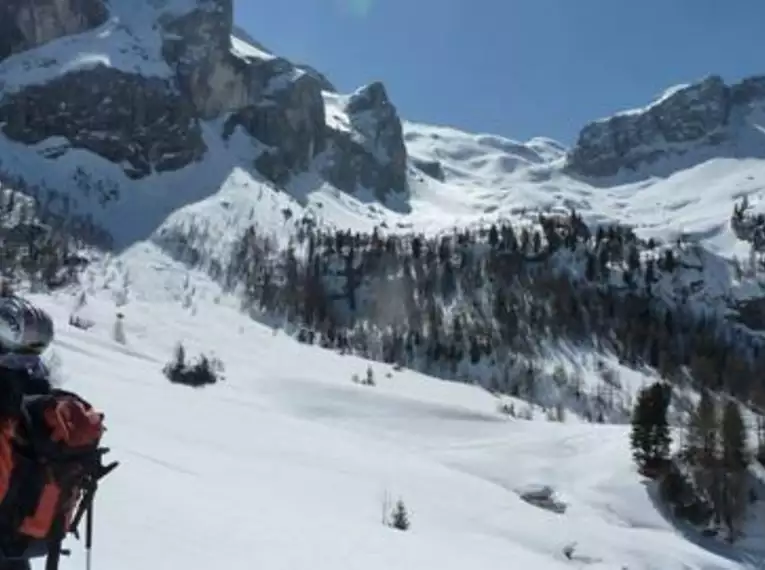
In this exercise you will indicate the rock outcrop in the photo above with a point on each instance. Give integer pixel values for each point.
(686, 118)
(432, 168)
(180, 69)
(139, 122)
(197, 45)
(371, 153)
(25, 24)
(289, 119)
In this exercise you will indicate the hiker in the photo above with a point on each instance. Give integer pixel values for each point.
(50, 459)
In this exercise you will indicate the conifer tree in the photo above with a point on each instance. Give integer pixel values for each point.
(400, 516)
(650, 438)
(734, 460)
(734, 438)
(703, 440)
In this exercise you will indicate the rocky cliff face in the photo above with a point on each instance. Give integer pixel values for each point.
(146, 113)
(289, 118)
(197, 44)
(690, 117)
(140, 123)
(371, 152)
(25, 24)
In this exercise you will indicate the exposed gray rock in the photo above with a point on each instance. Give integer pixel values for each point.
(697, 116)
(691, 116)
(139, 122)
(372, 154)
(544, 497)
(432, 168)
(748, 90)
(751, 313)
(289, 117)
(197, 45)
(324, 82)
(146, 123)
(25, 24)
(275, 166)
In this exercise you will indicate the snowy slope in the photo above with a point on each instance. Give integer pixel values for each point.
(484, 183)
(286, 464)
(127, 41)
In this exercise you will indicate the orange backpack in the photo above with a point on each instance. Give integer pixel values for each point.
(50, 465)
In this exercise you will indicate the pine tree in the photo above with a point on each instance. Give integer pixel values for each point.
(400, 516)
(650, 438)
(591, 267)
(702, 434)
(734, 438)
(640, 434)
(702, 450)
(735, 461)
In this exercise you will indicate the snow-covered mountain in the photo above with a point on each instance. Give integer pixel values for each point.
(158, 118)
(130, 111)
(162, 94)
(180, 135)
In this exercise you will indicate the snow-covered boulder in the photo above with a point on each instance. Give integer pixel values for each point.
(544, 497)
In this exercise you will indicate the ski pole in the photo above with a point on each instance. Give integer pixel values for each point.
(89, 536)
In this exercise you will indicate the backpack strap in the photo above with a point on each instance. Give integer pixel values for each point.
(25, 484)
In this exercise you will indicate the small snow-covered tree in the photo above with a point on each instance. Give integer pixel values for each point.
(560, 412)
(204, 371)
(119, 329)
(82, 300)
(370, 379)
(400, 516)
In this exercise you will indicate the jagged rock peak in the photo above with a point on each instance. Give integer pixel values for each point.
(368, 98)
(683, 118)
(372, 153)
(376, 119)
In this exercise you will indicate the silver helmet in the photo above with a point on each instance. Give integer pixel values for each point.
(24, 328)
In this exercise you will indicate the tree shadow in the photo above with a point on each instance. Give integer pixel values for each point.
(731, 552)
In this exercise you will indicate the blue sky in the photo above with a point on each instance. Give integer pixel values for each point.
(518, 68)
